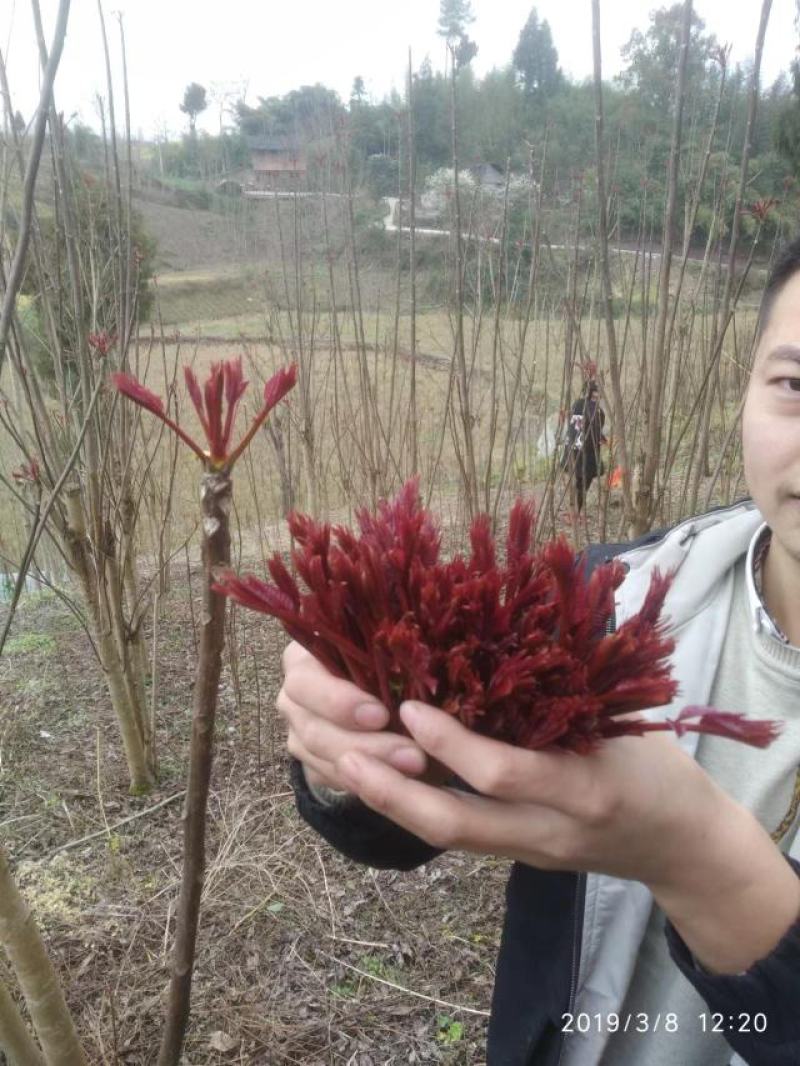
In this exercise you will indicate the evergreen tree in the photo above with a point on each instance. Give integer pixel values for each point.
(787, 125)
(535, 59)
(786, 131)
(194, 101)
(454, 17)
(431, 115)
(307, 113)
(652, 58)
(358, 92)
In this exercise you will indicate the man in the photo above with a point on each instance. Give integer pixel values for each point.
(584, 438)
(653, 911)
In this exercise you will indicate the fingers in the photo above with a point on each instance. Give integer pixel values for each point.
(494, 768)
(450, 819)
(308, 684)
(328, 716)
(293, 653)
(319, 742)
(435, 815)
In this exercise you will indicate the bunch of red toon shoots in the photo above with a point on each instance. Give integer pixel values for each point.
(520, 650)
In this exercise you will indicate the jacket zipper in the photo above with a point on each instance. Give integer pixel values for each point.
(577, 936)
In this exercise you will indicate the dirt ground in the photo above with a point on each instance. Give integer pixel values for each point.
(303, 957)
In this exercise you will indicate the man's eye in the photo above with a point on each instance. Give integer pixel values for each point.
(790, 384)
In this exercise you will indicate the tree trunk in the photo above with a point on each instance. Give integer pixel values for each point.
(216, 505)
(129, 715)
(15, 1040)
(654, 398)
(135, 652)
(37, 979)
(468, 466)
(133, 739)
(617, 406)
(702, 469)
(412, 270)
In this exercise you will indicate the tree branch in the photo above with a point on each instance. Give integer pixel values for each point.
(21, 251)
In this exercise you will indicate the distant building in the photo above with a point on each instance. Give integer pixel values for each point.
(278, 163)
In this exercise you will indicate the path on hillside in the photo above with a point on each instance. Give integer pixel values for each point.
(391, 227)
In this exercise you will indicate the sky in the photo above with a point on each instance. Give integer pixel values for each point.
(240, 48)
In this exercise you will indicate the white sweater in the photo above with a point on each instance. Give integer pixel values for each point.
(758, 675)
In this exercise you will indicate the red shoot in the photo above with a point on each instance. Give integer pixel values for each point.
(216, 403)
(760, 209)
(518, 650)
(101, 343)
(28, 472)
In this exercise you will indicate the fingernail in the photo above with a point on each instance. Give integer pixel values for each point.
(371, 715)
(408, 760)
(411, 713)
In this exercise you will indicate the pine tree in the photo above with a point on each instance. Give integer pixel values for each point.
(358, 92)
(454, 17)
(536, 59)
(786, 131)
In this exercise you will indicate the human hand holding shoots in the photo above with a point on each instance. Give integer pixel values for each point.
(516, 650)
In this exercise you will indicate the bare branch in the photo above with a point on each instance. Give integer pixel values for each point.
(20, 252)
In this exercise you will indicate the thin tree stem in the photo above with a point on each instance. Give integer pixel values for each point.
(216, 497)
(17, 268)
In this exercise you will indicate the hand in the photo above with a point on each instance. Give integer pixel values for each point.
(328, 717)
(639, 808)
(631, 809)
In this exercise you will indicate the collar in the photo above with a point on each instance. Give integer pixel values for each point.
(760, 616)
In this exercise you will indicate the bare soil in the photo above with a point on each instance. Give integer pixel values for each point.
(303, 957)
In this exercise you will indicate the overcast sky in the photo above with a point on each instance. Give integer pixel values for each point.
(264, 49)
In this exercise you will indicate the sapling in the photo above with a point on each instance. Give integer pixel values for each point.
(216, 404)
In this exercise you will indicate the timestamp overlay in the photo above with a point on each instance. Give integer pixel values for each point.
(662, 1022)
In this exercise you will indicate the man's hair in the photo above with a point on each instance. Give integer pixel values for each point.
(785, 266)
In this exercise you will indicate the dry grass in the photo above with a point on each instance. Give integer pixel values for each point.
(340, 425)
(303, 957)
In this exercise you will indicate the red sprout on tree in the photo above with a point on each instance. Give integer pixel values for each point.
(760, 209)
(101, 343)
(216, 404)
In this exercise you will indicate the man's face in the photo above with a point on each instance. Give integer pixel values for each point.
(771, 421)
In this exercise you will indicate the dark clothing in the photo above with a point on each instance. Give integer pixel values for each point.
(537, 964)
(582, 451)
